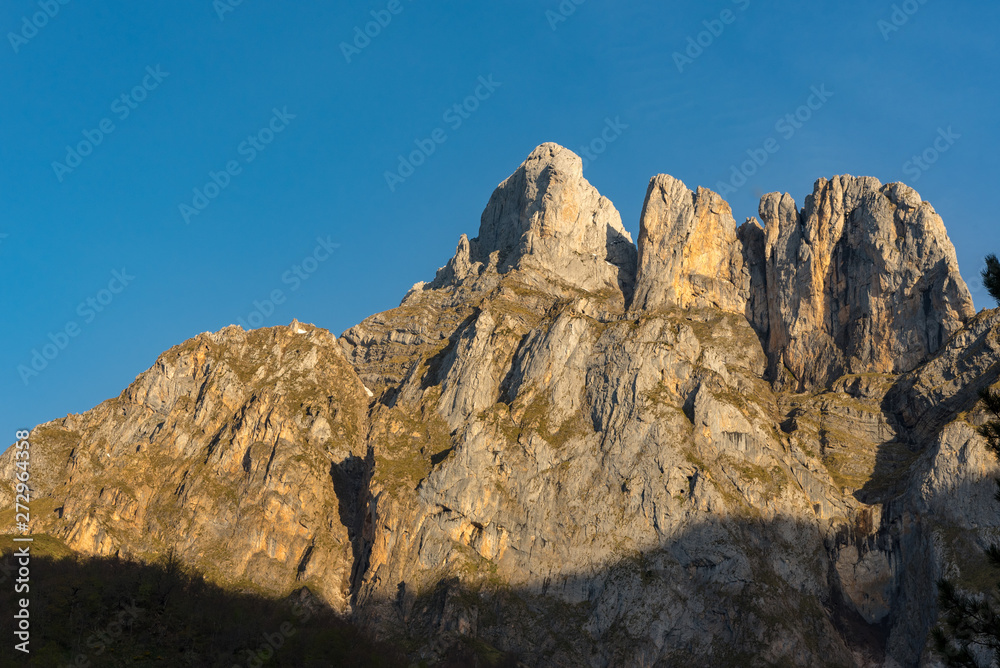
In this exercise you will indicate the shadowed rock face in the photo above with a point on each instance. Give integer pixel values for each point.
(756, 461)
(862, 279)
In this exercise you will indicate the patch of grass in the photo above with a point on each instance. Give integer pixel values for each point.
(772, 481)
(849, 466)
(40, 511)
(407, 444)
(662, 396)
(535, 417)
(516, 311)
(728, 396)
(477, 570)
(42, 545)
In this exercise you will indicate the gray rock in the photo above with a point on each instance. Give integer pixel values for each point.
(863, 279)
(549, 222)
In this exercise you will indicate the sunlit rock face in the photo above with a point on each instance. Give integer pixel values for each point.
(862, 279)
(723, 447)
(547, 219)
(689, 255)
(234, 450)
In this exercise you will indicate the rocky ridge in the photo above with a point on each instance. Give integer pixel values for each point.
(864, 278)
(747, 446)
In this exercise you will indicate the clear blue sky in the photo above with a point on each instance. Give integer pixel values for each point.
(323, 174)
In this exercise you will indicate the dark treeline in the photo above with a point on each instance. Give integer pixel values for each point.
(88, 611)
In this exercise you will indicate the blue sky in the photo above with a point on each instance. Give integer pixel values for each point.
(208, 86)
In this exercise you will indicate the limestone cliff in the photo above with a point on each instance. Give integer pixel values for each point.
(726, 447)
(238, 450)
(550, 224)
(862, 279)
(689, 255)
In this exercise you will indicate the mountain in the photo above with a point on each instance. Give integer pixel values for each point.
(720, 445)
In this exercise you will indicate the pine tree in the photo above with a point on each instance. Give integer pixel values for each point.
(991, 430)
(991, 277)
(970, 633)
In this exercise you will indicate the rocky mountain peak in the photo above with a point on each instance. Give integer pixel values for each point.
(783, 422)
(689, 255)
(549, 222)
(863, 279)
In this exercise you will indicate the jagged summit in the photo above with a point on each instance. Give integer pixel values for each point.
(547, 221)
(689, 255)
(863, 279)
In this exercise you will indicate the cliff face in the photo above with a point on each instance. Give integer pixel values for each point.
(236, 450)
(744, 447)
(689, 255)
(862, 279)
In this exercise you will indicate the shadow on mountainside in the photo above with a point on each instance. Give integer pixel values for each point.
(744, 591)
(105, 611)
(919, 415)
(110, 612)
